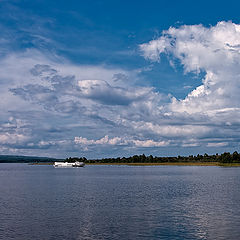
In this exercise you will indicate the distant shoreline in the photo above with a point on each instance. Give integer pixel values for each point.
(173, 164)
(158, 164)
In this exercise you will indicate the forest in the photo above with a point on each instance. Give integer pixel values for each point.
(225, 157)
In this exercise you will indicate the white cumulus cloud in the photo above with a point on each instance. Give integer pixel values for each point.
(215, 51)
(55, 101)
(120, 141)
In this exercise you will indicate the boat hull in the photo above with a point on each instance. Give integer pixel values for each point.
(68, 165)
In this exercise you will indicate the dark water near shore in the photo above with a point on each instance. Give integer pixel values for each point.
(119, 202)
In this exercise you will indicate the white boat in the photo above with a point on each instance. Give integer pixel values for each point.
(67, 164)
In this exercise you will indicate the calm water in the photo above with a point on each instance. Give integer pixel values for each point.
(119, 202)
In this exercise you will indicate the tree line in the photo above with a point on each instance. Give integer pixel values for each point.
(225, 157)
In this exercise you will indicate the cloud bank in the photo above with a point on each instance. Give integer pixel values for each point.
(215, 51)
(50, 105)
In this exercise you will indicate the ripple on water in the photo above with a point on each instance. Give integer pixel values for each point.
(119, 202)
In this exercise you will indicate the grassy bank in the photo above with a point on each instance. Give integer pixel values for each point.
(41, 163)
(173, 164)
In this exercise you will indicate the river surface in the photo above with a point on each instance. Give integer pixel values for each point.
(119, 202)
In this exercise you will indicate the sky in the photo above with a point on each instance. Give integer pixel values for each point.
(119, 78)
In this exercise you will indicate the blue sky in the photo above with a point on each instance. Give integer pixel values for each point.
(117, 78)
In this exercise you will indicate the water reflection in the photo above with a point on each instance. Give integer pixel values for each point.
(119, 202)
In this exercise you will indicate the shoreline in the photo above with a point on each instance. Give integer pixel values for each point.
(173, 164)
(216, 164)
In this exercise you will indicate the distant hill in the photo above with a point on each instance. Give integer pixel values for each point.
(25, 159)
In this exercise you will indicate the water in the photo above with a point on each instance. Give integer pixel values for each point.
(119, 202)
